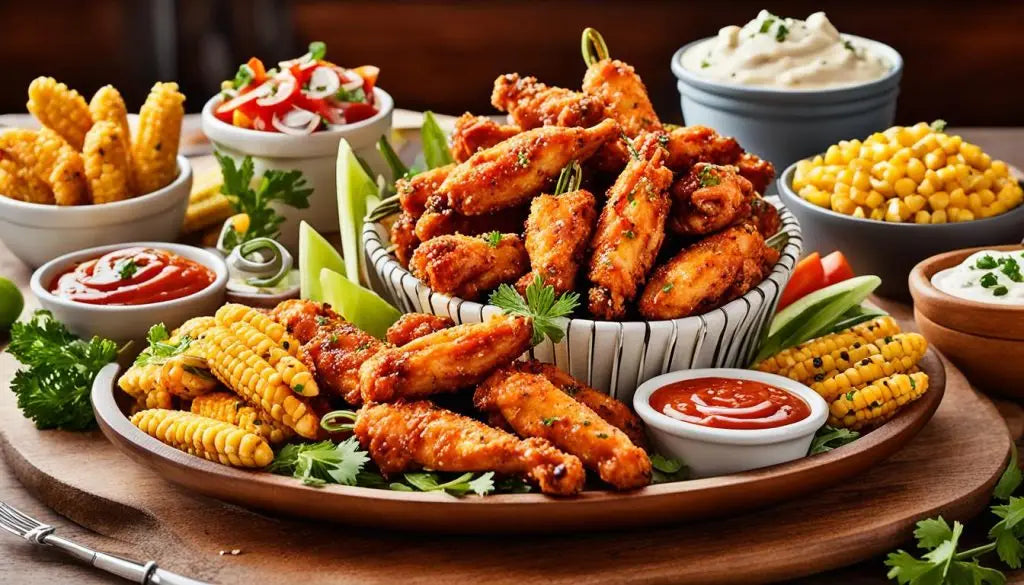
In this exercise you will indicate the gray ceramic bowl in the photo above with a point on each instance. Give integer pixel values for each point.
(785, 126)
(890, 250)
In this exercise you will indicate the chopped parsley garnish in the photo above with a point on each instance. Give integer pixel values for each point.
(298, 388)
(1011, 269)
(766, 25)
(828, 438)
(356, 95)
(254, 197)
(632, 149)
(781, 32)
(665, 469)
(524, 158)
(988, 280)
(548, 420)
(938, 126)
(849, 46)
(667, 287)
(493, 238)
(318, 464)
(127, 269)
(986, 262)
(1000, 291)
(707, 177)
(629, 234)
(704, 65)
(242, 77)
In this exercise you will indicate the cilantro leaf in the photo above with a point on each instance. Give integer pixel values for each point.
(930, 568)
(127, 269)
(973, 574)
(318, 464)
(493, 239)
(932, 532)
(1008, 530)
(828, 438)
(1011, 478)
(461, 485)
(666, 469)
(540, 305)
(285, 187)
(159, 350)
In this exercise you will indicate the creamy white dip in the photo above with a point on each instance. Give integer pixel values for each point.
(987, 276)
(785, 53)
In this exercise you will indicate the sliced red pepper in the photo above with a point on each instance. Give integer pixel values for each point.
(836, 268)
(808, 276)
(259, 73)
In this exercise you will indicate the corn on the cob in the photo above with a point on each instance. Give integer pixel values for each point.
(154, 399)
(251, 377)
(183, 375)
(860, 334)
(235, 313)
(155, 148)
(206, 204)
(60, 108)
(108, 105)
(193, 328)
(51, 160)
(206, 437)
(19, 162)
(877, 402)
(867, 370)
(814, 369)
(293, 372)
(68, 180)
(228, 407)
(107, 163)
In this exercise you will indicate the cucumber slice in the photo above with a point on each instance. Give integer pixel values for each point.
(360, 306)
(315, 254)
(357, 191)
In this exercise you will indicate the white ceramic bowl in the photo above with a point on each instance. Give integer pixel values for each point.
(129, 322)
(711, 451)
(315, 155)
(37, 233)
(614, 357)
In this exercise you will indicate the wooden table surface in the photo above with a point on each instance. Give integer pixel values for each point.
(26, 564)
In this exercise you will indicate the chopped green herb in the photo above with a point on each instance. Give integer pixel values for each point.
(540, 305)
(938, 126)
(668, 286)
(781, 32)
(766, 24)
(298, 388)
(492, 238)
(1010, 268)
(602, 435)
(524, 158)
(355, 96)
(988, 280)
(663, 139)
(548, 420)
(707, 176)
(632, 149)
(242, 77)
(849, 46)
(629, 234)
(317, 464)
(287, 188)
(127, 269)
(704, 64)
(317, 50)
(467, 482)
(986, 262)
(1000, 291)
(665, 469)
(828, 438)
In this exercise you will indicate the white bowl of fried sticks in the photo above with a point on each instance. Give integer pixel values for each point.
(661, 231)
(82, 180)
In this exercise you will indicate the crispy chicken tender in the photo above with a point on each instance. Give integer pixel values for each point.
(708, 198)
(629, 235)
(756, 170)
(473, 133)
(713, 271)
(403, 238)
(414, 435)
(414, 191)
(689, 145)
(302, 318)
(535, 407)
(619, 88)
(412, 326)
(445, 361)
(438, 220)
(532, 104)
(765, 217)
(557, 234)
(335, 354)
(468, 266)
(512, 172)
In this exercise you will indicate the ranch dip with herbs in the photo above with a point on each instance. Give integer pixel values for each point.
(987, 276)
(785, 53)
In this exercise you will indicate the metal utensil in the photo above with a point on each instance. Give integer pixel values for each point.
(32, 530)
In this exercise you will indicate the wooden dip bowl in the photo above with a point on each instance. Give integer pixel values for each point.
(986, 341)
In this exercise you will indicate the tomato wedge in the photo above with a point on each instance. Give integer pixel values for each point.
(836, 268)
(808, 276)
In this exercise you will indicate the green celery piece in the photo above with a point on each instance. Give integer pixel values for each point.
(815, 312)
(357, 192)
(315, 253)
(435, 143)
(360, 306)
(854, 316)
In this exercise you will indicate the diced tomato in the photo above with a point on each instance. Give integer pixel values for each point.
(357, 112)
(808, 276)
(259, 73)
(836, 268)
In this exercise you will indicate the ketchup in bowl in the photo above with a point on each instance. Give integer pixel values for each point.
(728, 403)
(132, 276)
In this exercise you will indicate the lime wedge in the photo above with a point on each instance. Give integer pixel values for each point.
(360, 306)
(315, 254)
(11, 303)
(357, 191)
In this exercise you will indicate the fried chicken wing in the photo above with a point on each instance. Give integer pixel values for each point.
(414, 435)
(765, 217)
(444, 361)
(619, 88)
(557, 234)
(708, 198)
(413, 192)
(532, 104)
(439, 220)
(756, 170)
(473, 133)
(412, 326)
(535, 407)
(629, 234)
(713, 271)
(302, 318)
(403, 238)
(512, 172)
(335, 353)
(689, 145)
(467, 266)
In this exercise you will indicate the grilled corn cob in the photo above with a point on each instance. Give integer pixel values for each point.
(182, 375)
(206, 204)
(193, 328)
(877, 402)
(860, 334)
(154, 399)
(60, 108)
(68, 180)
(206, 437)
(107, 163)
(891, 347)
(293, 372)
(107, 105)
(251, 377)
(234, 313)
(228, 407)
(154, 152)
(867, 370)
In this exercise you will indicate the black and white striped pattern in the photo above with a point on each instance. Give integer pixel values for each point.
(614, 357)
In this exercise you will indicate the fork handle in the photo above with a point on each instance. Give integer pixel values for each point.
(144, 574)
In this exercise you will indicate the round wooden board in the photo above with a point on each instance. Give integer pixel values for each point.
(671, 503)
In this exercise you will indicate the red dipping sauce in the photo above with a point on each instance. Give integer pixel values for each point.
(132, 276)
(727, 403)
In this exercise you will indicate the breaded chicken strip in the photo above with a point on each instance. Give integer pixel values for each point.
(512, 172)
(765, 217)
(438, 220)
(468, 266)
(412, 326)
(689, 145)
(713, 271)
(444, 361)
(708, 198)
(334, 355)
(303, 318)
(557, 234)
(756, 170)
(629, 234)
(403, 238)
(531, 104)
(414, 435)
(535, 407)
(619, 88)
(414, 191)
(473, 133)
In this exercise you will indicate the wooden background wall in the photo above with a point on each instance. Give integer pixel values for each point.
(964, 60)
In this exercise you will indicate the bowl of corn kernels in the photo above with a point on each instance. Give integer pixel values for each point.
(899, 196)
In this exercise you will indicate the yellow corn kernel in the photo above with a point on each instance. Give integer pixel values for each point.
(924, 145)
(867, 370)
(858, 196)
(1000, 168)
(877, 214)
(229, 408)
(108, 105)
(915, 203)
(891, 347)
(107, 163)
(25, 173)
(293, 372)
(902, 156)
(841, 189)
(951, 145)
(61, 109)
(818, 197)
(926, 188)
(965, 215)
(848, 339)
(915, 170)
(894, 173)
(920, 130)
(844, 177)
(859, 212)
(874, 200)
(957, 198)
(904, 187)
(205, 437)
(974, 202)
(861, 180)
(842, 204)
(877, 402)
(935, 159)
(939, 216)
(947, 175)
(986, 196)
(155, 149)
(922, 217)
(883, 187)
(896, 211)
(939, 200)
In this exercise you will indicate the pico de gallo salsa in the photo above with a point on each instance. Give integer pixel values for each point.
(300, 96)
(132, 276)
(728, 403)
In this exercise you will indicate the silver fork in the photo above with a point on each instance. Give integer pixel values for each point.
(36, 532)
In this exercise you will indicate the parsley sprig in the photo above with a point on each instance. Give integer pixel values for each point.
(53, 389)
(828, 438)
(159, 350)
(285, 187)
(666, 469)
(318, 464)
(540, 305)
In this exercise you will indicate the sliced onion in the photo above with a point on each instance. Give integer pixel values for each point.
(308, 64)
(354, 81)
(297, 118)
(322, 83)
(257, 93)
(288, 64)
(311, 125)
(285, 88)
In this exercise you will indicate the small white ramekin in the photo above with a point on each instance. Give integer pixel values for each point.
(711, 451)
(129, 322)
